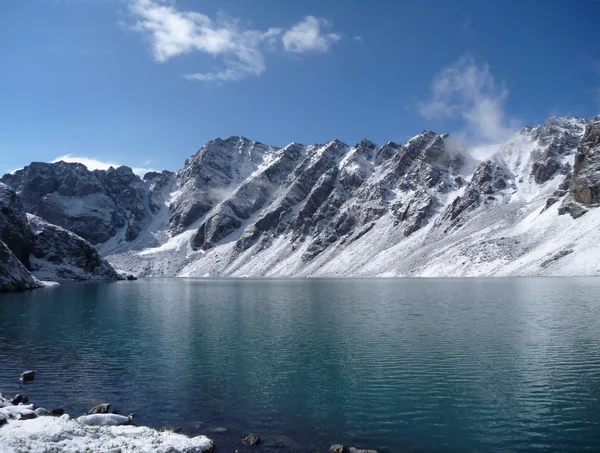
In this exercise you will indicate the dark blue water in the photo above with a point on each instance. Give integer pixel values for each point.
(439, 365)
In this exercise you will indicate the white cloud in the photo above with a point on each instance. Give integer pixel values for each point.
(172, 32)
(95, 164)
(307, 36)
(467, 90)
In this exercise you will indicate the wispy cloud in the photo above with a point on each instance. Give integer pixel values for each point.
(467, 90)
(172, 32)
(308, 36)
(96, 164)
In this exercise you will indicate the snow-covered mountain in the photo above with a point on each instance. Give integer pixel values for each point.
(33, 250)
(423, 208)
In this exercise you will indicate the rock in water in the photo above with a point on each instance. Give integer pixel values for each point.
(57, 412)
(337, 449)
(251, 439)
(27, 376)
(103, 408)
(2, 420)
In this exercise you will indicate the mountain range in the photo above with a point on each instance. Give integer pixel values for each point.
(428, 207)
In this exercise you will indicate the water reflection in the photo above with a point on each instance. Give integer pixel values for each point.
(446, 365)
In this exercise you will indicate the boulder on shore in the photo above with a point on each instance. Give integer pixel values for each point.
(18, 399)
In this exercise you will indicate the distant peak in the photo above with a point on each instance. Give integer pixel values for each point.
(337, 143)
(366, 143)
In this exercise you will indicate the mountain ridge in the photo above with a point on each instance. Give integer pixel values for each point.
(241, 208)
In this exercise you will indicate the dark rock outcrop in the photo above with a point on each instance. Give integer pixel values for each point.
(13, 275)
(92, 204)
(557, 137)
(584, 189)
(13, 225)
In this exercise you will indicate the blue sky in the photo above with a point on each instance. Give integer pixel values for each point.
(146, 83)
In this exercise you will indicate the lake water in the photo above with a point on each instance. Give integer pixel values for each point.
(424, 365)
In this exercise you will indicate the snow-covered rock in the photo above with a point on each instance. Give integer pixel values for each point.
(13, 275)
(59, 255)
(36, 250)
(104, 420)
(19, 434)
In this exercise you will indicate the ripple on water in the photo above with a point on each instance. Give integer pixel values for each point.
(446, 365)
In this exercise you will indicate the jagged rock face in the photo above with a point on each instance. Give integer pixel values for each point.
(13, 275)
(212, 174)
(159, 185)
(92, 204)
(249, 197)
(585, 184)
(13, 225)
(327, 193)
(556, 137)
(488, 179)
(584, 181)
(60, 255)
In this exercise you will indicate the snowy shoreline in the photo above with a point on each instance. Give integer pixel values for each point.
(25, 429)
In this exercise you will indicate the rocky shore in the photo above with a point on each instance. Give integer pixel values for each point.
(26, 428)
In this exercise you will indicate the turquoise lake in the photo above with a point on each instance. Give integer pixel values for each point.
(422, 365)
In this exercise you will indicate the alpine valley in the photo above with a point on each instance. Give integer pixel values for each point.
(242, 208)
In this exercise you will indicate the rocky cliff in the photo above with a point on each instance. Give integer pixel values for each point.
(584, 181)
(96, 205)
(13, 275)
(32, 250)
